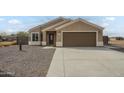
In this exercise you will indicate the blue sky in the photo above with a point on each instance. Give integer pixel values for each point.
(114, 25)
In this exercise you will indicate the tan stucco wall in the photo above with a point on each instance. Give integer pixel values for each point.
(79, 26)
(58, 36)
(100, 36)
(44, 36)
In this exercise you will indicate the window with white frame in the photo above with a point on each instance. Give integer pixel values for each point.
(34, 36)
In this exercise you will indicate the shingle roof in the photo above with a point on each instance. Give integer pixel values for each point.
(49, 23)
(59, 23)
(82, 20)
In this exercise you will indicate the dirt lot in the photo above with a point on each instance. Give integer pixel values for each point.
(119, 43)
(7, 43)
(32, 61)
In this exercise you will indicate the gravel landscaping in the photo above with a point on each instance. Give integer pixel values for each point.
(33, 61)
(120, 49)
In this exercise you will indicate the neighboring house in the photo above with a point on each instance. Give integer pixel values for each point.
(67, 33)
(8, 38)
(112, 38)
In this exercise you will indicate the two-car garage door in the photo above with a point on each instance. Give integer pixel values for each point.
(79, 39)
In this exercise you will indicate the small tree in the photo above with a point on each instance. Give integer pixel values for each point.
(12, 34)
(0, 37)
(22, 34)
(3, 34)
(22, 37)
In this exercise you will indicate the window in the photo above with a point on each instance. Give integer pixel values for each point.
(34, 36)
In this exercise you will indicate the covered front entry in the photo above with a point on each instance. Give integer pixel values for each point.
(79, 39)
(51, 38)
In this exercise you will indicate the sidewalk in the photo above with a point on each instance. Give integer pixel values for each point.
(56, 68)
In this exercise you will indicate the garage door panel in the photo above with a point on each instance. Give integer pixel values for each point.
(79, 39)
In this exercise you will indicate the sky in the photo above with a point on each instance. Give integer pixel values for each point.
(113, 25)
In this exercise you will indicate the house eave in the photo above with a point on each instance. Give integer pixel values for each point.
(82, 20)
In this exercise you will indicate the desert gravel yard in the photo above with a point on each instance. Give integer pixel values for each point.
(32, 61)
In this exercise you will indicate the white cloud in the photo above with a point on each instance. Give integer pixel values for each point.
(14, 22)
(9, 30)
(1, 19)
(110, 18)
(107, 21)
(105, 24)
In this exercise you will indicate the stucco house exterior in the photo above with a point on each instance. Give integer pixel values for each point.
(67, 32)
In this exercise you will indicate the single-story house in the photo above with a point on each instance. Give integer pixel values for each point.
(67, 33)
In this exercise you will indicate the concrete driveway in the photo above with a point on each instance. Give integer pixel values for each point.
(95, 61)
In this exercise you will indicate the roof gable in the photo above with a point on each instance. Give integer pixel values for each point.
(56, 25)
(59, 23)
(49, 23)
(79, 20)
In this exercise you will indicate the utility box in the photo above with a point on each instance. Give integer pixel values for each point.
(105, 40)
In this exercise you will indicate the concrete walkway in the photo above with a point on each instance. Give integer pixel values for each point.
(86, 61)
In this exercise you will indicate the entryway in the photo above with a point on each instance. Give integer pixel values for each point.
(51, 38)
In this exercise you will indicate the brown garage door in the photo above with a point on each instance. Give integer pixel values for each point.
(78, 39)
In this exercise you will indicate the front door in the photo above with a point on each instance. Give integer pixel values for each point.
(51, 38)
